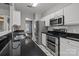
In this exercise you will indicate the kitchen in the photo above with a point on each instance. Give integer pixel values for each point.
(48, 29)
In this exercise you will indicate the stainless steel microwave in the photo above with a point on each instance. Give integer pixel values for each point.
(57, 21)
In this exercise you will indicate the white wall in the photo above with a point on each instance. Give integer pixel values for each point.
(17, 18)
(55, 8)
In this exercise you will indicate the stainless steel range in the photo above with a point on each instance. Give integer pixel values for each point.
(53, 41)
(53, 44)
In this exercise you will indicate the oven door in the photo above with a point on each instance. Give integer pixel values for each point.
(53, 22)
(52, 39)
(51, 46)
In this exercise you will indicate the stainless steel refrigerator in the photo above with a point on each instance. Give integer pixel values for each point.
(40, 27)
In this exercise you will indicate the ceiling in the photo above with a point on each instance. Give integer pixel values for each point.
(41, 7)
(28, 11)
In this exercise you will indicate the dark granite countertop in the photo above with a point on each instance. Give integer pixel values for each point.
(7, 37)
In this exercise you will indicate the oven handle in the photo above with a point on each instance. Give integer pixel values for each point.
(52, 43)
(52, 36)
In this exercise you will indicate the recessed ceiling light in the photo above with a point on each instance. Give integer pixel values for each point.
(35, 4)
(32, 5)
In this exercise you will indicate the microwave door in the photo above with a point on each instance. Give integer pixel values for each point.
(55, 22)
(59, 20)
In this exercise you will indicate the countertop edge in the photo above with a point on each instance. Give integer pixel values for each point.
(4, 33)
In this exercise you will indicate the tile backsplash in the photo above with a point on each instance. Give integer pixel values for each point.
(73, 29)
(70, 28)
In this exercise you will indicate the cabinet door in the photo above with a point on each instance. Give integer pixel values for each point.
(77, 51)
(44, 42)
(47, 21)
(66, 49)
(59, 12)
(71, 14)
(75, 44)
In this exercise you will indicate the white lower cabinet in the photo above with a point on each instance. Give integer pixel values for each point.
(75, 44)
(44, 42)
(67, 49)
(77, 51)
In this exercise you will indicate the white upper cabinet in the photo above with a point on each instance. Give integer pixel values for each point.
(16, 18)
(59, 12)
(71, 14)
(47, 21)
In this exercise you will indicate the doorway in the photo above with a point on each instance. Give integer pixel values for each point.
(28, 28)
